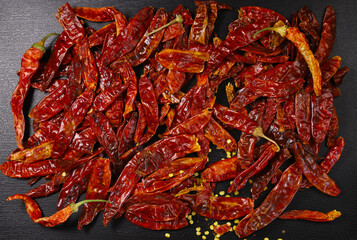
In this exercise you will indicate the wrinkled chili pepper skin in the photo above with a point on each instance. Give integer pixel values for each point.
(333, 155)
(145, 162)
(104, 99)
(37, 153)
(98, 187)
(234, 119)
(314, 216)
(222, 170)
(273, 89)
(32, 207)
(59, 51)
(219, 136)
(98, 37)
(148, 44)
(126, 134)
(313, 172)
(157, 211)
(303, 114)
(129, 36)
(29, 65)
(182, 60)
(327, 36)
(103, 14)
(253, 169)
(70, 121)
(150, 107)
(273, 205)
(69, 21)
(310, 26)
(48, 188)
(340, 74)
(333, 128)
(321, 113)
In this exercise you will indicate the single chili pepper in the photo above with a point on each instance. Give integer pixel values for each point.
(273, 89)
(170, 176)
(37, 153)
(333, 128)
(104, 99)
(175, 80)
(239, 121)
(289, 110)
(148, 43)
(70, 23)
(339, 75)
(141, 124)
(128, 75)
(98, 186)
(59, 217)
(29, 65)
(143, 163)
(73, 117)
(309, 25)
(157, 211)
(219, 136)
(230, 93)
(313, 172)
(333, 155)
(75, 184)
(282, 118)
(257, 13)
(321, 113)
(129, 36)
(150, 107)
(222, 170)
(235, 39)
(82, 143)
(115, 111)
(191, 125)
(58, 54)
(303, 114)
(255, 168)
(314, 216)
(176, 29)
(182, 60)
(330, 68)
(126, 134)
(273, 205)
(246, 143)
(327, 36)
(103, 14)
(262, 178)
(298, 39)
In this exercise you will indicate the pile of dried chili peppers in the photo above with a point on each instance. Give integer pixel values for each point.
(134, 143)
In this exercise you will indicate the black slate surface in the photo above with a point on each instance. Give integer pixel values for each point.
(24, 22)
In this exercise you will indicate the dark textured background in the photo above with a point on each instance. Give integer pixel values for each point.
(24, 22)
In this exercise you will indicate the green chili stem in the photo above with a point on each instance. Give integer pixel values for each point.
(40, 44)
(281, 30)
(178, 19)
(75, 206)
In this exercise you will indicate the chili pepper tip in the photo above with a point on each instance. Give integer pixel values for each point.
(40, 44)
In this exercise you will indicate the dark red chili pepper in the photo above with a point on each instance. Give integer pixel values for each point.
(59, 217)
(157, 211)
(126, 134)
(338, 77)
(98, 186)
(145, 162)
(314, 216)
(115, 111)
(70, 23)
(273, 205)
(104, 99)
(242, 178)
(262, 179)
(29, 64)
(303, 114)
(327, 36)
(313, 172)
(129, 36)
(309, 25)
(222, 170)
(97, 38)
(73, 117)
(333, 128)
(321, 113)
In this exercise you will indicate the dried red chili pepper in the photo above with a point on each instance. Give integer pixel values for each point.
(309, 25)
(314, 216)
(59, 217)
(219, 136)
(145, 162)
(273, 205)
(104, 99)
(98, 186)
(129, 36)
(222, 170)
(115, 111)
(338, 77)
(103, 14)
(333, 128)
(182, 60)
(126, 134)
(313, 172)
(222, 229)
(29, 64)
(37, 153)
(303, 114)
(73, 117)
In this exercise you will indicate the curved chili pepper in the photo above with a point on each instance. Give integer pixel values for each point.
(314, 216)
(273, 205)
(59, 217)
(29, 64)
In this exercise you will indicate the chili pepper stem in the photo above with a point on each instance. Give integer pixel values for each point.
(178, 19)
(40, 44)
(258, 132)
(75, 206)
(281, 30)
